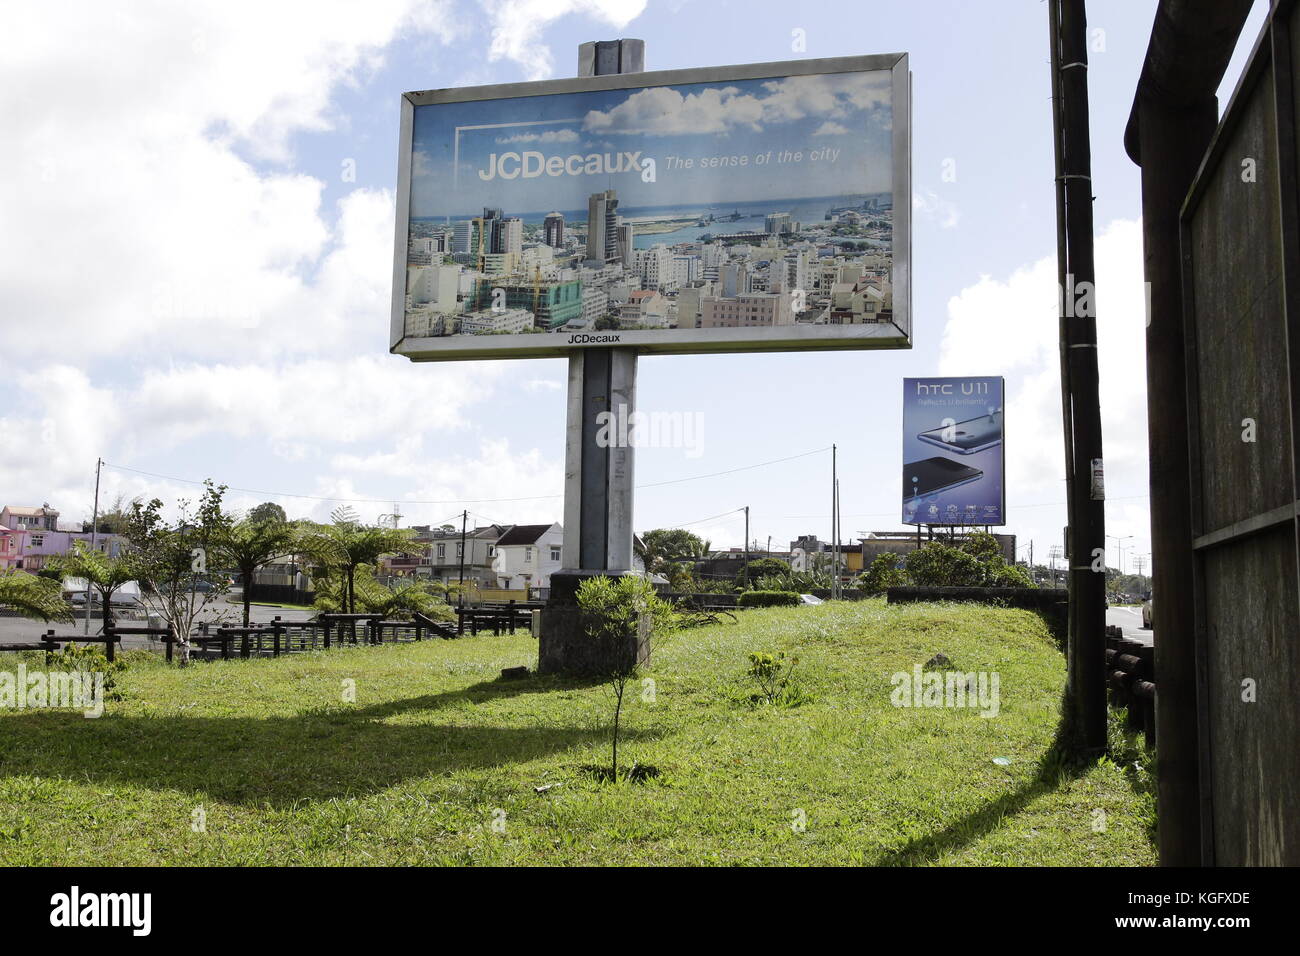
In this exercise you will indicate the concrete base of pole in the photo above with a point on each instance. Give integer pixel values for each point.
(565, 647)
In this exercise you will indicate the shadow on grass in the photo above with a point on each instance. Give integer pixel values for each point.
(480, 693)
(1056, 767)
(280, 761)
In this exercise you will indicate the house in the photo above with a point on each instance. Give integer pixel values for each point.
(43, 518)
(29, 537)
(527, 555)
(438, 555)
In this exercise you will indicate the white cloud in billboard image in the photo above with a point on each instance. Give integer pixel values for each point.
(709, 212)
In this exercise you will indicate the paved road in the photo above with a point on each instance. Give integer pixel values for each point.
(1130, 619)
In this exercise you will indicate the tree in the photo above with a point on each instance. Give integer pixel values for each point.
(253, 543)
(268, 511)
(761, 568)
(103, 574)
(664, 548)
(34, 597)
(115, 518)
(172, 558)
(401, 601)
(883, 573)
(974, 561)
(612, 615)
(344, 545)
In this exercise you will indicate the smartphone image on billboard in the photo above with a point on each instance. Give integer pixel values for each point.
(967, 437)
(932, 475)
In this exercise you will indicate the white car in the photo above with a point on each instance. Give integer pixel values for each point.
(811, 599)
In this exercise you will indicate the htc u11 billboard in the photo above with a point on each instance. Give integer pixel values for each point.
(756, 207)
(953, 451)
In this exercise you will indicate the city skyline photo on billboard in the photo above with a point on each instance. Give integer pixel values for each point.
(758, 207)
(953, 451)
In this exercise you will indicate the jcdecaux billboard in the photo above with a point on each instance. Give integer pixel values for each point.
(756, 207)
(953, 451)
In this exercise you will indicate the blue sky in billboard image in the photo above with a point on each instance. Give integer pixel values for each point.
(839, 123)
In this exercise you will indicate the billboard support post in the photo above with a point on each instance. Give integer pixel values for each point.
(598, 474)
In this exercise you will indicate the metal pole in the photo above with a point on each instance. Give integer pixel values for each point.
(745, 570)
(1087, 511)
(94, 540)
(835, 531)
(464, 520)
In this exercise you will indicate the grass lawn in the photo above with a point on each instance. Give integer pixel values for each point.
(437, 761)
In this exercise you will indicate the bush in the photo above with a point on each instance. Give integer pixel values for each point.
(762, 568)
(768, 599)
(883, 574)
(775, 680)
(89, 659)
(941, 565)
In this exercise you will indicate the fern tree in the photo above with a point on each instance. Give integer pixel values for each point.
(251, 544)
(33, 597)
(346, 544)
(103, 574)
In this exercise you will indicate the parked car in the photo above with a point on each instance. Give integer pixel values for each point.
(1147, 617)
(810, 599)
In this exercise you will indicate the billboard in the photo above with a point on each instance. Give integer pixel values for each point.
(953, 453)
(744, 208)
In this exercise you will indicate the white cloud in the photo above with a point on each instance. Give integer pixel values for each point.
(664, 111)
(132, 213)
(550, 136)
(517, 27)
(1010, 327)
(830, 129)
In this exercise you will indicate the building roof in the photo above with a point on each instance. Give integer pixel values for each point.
(523, 534)
(31, 512)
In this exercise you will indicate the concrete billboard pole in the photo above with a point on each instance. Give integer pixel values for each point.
(598, 475)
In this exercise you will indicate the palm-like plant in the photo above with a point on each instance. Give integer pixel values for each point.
(402, 600)
(346, 544)
(34, 597)
(250, 544)
(106, 575)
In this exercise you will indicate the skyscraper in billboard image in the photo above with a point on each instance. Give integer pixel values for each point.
(729, 209)
(953, 451)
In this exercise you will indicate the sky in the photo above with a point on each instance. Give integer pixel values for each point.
(837, 123)
(196, 232)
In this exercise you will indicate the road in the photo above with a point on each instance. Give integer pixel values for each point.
(1130, 619)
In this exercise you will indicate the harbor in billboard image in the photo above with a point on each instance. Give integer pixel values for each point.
(706, 216)
(953, 451)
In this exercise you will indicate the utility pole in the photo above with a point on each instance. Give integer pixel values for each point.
(94, 540)
(1081, 403)
(745, 570)
(464, 520)
(835, 528)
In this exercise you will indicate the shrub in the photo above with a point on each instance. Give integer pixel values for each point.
(768, 599)
(883, 574)
(86, 658)
(775, 680)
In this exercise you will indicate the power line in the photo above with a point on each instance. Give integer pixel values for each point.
(458, 501)
(734, 511)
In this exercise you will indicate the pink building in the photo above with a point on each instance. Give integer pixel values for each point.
(29, 537)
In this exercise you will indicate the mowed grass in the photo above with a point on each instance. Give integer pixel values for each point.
(438, 761)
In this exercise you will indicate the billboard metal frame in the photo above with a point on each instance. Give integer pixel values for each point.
(895, 335)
